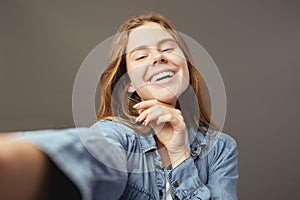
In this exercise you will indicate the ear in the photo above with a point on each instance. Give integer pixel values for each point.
(130, 88)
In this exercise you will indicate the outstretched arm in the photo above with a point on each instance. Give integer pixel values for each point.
(23, 169)
(56, 164)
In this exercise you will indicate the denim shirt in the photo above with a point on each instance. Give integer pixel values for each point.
(111, 161)
(210, 172)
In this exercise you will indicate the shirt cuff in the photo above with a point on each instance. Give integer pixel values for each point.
(185, 181)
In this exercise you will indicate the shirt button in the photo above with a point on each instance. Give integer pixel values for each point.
(160, 192)
(175, 184)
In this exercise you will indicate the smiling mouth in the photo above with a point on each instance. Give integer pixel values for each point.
(162, 76)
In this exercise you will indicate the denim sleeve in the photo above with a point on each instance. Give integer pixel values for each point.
(186, 183)
(223, 173)
(68, 151)
(222, 178)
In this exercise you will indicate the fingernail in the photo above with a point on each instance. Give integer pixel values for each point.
(137, 119)
(144, 122)
(136, 105)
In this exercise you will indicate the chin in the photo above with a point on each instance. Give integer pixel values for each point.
(167, 98)
(169, 101)
(168, 95)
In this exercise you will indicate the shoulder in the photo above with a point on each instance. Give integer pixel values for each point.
(114, 131)
(227, 147)
(221, 152)
(227, 141)
(112, 127)
(222, 156)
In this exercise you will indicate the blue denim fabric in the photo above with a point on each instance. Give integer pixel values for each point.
(111, 161)
(64, 147)
(211, 172)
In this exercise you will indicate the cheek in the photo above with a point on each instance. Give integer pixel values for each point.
(136, 74)
(181, 62)
(145, 92)
(186, 73)
(177, 58)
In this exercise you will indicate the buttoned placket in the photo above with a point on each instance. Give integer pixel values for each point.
(196, 148)
(160, 176)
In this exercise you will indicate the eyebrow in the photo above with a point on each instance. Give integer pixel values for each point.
(146, 47)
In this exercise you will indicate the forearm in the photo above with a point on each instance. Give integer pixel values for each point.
(23, 169)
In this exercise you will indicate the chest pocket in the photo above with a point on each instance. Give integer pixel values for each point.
(140, 186)
(133, 191)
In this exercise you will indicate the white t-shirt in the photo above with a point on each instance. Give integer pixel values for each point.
(168, 190)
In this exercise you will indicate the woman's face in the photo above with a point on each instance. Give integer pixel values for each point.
(155, 64)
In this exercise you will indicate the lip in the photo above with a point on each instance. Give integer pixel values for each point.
(160, 71)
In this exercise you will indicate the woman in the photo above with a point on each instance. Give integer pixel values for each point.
(151, 80)
(150, 141)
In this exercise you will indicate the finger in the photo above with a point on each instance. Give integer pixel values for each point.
(140, 111)
(175, 119)
(141, 107)
(137, 119)
(145, 104)
(142, 115)
(149, 103)
(154, 115)
(146, 115)
(163, 119)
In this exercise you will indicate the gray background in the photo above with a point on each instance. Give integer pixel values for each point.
(255, 44)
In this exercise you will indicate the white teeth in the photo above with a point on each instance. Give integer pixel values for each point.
(160, 76)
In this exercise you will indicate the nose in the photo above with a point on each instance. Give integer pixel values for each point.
(159, 58)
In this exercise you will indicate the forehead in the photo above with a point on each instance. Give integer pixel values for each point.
(148, 34)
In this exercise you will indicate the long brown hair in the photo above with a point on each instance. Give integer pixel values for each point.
(116, 102)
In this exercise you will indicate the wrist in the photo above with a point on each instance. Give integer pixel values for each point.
(177, 160)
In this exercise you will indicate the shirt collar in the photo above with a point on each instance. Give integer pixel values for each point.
(147, 143)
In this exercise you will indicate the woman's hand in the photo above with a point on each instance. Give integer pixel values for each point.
(168, 125)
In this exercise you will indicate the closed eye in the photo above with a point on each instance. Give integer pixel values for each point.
(140, 57)
(167, 49)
